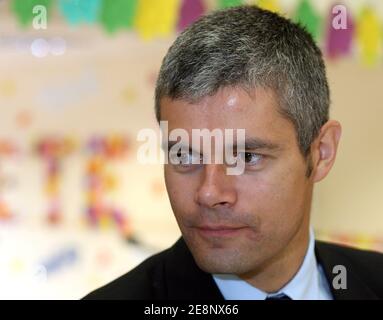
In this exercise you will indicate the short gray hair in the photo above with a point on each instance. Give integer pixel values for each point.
(247, 46)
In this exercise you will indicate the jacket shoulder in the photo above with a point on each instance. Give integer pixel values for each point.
(142, 282)
(359, 257)
(366, 265)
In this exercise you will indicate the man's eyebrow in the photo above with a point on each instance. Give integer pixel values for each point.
(170, 144)
(257, 143)
(250, 144)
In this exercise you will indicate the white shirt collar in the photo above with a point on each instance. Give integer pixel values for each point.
(309, 283)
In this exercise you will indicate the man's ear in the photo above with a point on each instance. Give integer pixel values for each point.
(325, 148)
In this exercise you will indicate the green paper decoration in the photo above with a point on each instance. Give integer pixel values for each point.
(307, 17)
(229, 3)
(23, 9)
(118, 14)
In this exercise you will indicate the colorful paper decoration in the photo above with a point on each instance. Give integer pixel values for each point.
(118, 14)
(52, 150)
(161, 18)
(158, 187)
(7, 149)
(190, 11)
(339, 40)
(5, 211)
(309, 18)
(369, 36)
(7, 88)
(363, 241)
(271, 5)
(129, 95)
(156, 18)
(63, 258)
(77, 11)
(99, 183)
(229, 3)
(24, 119)
(23, 9)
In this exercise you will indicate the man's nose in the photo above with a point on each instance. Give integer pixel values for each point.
(216, 187)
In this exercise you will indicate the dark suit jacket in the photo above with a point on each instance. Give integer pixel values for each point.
(173, 274)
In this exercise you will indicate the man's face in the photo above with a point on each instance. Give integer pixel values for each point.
(238, 223)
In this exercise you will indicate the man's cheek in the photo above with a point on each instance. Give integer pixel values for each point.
(264, 194)
(271, 206)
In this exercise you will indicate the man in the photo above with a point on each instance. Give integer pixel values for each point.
(248, 236)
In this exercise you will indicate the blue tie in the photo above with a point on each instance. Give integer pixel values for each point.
(280, 296)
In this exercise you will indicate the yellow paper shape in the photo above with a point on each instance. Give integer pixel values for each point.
(52, 186)
(129, 95)
(369, 36)
(110, 182)
(17, 265)
(156, 18)
(7, 88)
(105, 221)
(364, 242)
(271, 5)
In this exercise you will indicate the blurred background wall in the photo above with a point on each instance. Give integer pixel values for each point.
(76, 208)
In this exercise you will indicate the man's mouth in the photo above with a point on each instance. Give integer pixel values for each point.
(219, 230)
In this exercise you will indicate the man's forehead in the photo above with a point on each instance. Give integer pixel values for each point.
(233, 109)
(230, 108)
(225, 104)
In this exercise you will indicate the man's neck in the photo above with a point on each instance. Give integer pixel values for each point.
(276, 273)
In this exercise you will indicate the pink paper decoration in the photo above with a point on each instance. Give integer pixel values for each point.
(339, 40)
(190, 11)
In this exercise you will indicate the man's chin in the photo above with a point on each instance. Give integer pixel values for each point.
(220, 267)
(219, 261)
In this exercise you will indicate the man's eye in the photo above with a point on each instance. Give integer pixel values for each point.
(184, 158)
(250, 158)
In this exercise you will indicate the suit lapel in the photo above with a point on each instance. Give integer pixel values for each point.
(328, 257)
(184, 279)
